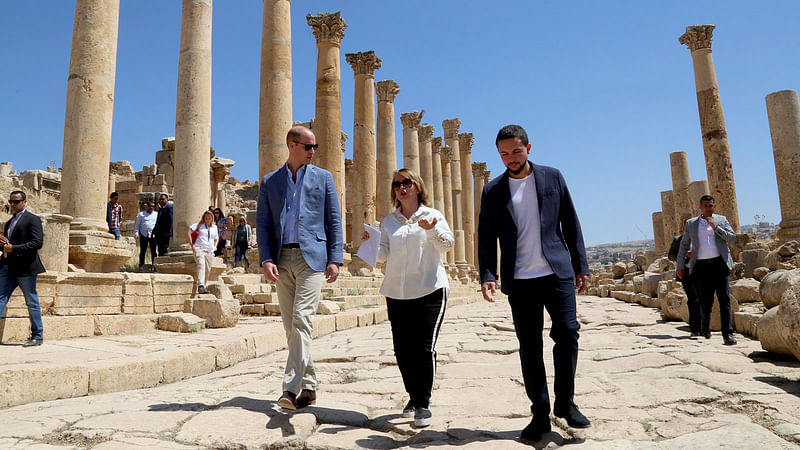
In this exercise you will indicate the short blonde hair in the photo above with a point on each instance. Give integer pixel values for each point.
(422, 193)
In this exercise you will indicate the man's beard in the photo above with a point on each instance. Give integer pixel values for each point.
(518, 171)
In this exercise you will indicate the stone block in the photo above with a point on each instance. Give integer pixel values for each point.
(272, 309)
(745, 323)
(155, 188)
(625, 296)
(172, 284)
(752, 259)
(770, 333)
(180, 322)
(637, 283)
(773, 286)
(37, 383)
(163, 157)
(746, 290)
(149, 169)
(16, 304)
(219, 290)
(366, 318)
(271, 340)
(789, 319)
(168, 303)
(323, 325)
(245, 288)
(381, 315)
(188, 363)
(675, 307)
(253, 309)
(124, 374)
(127, 186)
(123, 324)
(241, 278)
(760, 272)
(86, 285)
(618, 269)
(17, 330)
(139, 284)
(76, 306)
(234, 351)
(137, 304)
(650, 283)
(218, 313)
(327, 307)
(346, 320)
(660, 265)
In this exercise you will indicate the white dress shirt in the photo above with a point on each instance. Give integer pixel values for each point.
(145, 222)
(707, 245)
(530, 262)
(413, 255)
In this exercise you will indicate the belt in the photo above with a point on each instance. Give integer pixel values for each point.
(292, 245)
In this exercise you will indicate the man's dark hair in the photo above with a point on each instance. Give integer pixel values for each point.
(511, 132)
(24, 197)
(295, 133)
(163, 196)
(706, 197)
(113, 194)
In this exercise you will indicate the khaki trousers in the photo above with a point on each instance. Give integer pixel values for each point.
(203, 258)
(298, 295)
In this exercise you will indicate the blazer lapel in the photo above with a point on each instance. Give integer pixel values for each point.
(539, 178)
(504, 192)
(283, 178)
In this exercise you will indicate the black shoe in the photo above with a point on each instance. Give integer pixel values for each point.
(574, 417)
(534, 431)
(694, 336)
(202, 290)
(306, 397)
(33, 343)
(707, 335)
(408, 410)
(287, 401)
(729, 340)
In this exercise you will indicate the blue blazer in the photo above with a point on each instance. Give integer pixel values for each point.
(723, 234)
(561, 237)
(319, 225)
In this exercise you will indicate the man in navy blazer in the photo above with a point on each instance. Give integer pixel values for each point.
(19, 262)
(299, 230)
(529, 209)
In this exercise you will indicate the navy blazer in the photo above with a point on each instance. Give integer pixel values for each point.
(26, 239)
(319, 224)
(561, 237)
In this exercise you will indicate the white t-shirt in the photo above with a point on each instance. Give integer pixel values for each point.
(206, 237)
(530, 262)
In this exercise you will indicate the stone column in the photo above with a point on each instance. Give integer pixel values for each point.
(682, 203)
(410, 122)
(477, 172)
(275, 106)
(364, 65)
(387, 147)
(329, 31)
(697, 189)
(89, 111)
(446, 153)
(668, 216)
(425, 156)
(712, 123)
(450, 127)
(465, 142)
(87, 137)
(192, 119)
(437, 191)
(783, 111)
(658, 233)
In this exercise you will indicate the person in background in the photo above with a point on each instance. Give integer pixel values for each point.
(242, 240)
(690, 287)
(414, 237)
(203, 245)
(114, 214)
(222, 227)
(143, 232)
(163, 228)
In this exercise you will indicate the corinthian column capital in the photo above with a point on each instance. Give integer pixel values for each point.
(344, 137)
(411, 119)
(446, 153)
(387, 90)
(478, 168)
(451, 128)
(363, 63)
(327, 27)
(425, 132)
(697, 37)
(486, 174)
(465, 142)
(436, 144)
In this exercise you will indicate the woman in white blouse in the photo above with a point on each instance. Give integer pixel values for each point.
(203, 237)
(414, 239)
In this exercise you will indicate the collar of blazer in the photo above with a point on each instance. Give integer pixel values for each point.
(539, 176)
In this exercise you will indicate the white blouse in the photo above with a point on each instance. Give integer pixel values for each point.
(414, 255)
(206, 237)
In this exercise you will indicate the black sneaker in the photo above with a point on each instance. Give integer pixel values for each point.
(422, 417)
(534, 431)
(729, 340)
(573, 417)
(33, 343)
(408, 410)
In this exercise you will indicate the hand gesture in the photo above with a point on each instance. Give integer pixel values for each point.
(427, 224)
(710, 220)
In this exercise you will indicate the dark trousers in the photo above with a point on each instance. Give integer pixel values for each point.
(713, 277)
(241, 249)
(415, 328)
(527, 298)
(162, 244)
(145, 242)
(693, 299)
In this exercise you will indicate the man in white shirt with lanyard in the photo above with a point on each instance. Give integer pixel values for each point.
(145, 223)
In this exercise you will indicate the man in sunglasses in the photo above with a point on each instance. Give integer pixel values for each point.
(299, 231)
(20, 264)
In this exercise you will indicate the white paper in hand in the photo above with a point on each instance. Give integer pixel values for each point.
(368, 251)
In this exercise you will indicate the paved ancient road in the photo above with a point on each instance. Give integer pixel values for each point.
(642, 382)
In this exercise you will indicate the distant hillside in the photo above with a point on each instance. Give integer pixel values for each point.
(599, 255)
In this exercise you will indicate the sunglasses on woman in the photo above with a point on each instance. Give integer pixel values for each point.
(406, 183)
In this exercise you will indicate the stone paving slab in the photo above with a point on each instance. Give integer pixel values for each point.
(640, 380)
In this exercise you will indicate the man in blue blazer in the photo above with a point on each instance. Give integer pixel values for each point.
(299, 230)
(529, 209)
(710, 264)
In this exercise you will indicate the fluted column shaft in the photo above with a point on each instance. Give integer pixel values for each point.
(436, 163)
(446, 153)
(275, 106)
(410, 121)
(450, 127)
(89, 112)
(783, 111)
(658, 233)
(329, 31)
(193, 118)
(712, 123)
(387, 148)
(364, 157)
(465, 142)
(425, 155)
(477, 173)
(682, 203)
(668, 215)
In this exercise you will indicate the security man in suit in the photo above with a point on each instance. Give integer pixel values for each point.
(20, 264)
(529, 209)
(710, 264)
(299, 229)
(163, 229)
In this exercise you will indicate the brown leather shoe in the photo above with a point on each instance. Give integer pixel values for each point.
(287, 401)
(306, 397)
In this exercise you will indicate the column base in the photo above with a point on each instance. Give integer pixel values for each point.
(97, 251)
(182, 262)
(789, 230)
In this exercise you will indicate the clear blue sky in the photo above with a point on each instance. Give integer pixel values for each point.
(604, 88)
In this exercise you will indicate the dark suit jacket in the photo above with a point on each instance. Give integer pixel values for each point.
(319, 224)
(561, 237)
(163, 227)
(27, 239)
